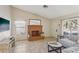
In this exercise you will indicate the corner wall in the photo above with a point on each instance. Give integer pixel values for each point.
(17, 14)
(55, 27)
(5, 12)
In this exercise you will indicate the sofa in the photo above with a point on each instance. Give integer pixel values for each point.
(69, 39)
(72, 49)
(71, 44)
(66, 42)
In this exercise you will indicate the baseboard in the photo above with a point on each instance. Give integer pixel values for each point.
(50, 37)
(21, 40)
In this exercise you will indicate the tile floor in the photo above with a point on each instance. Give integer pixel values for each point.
(26, 46)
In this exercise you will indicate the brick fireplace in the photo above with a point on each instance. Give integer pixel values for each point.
(34, 32)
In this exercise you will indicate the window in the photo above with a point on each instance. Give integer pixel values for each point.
(70, 24)
(35, 22)
(20, 27)
(70, 28)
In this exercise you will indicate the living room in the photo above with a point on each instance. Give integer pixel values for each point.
(56, 26)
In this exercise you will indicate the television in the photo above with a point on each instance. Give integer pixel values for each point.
(4, 24)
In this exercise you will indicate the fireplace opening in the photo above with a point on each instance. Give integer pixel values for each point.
(35, 33)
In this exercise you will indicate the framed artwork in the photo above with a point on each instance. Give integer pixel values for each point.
(4, 24)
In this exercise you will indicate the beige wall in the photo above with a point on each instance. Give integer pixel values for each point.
(5, 12)
(17, 14)
(55, 25)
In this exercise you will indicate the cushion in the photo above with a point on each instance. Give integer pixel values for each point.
(66, 42)
(73, 49)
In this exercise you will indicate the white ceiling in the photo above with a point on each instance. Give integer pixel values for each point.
(51, 12)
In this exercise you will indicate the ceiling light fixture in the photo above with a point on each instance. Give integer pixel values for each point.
(45, 6)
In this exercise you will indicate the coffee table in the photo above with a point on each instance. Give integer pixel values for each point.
(55, 46)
